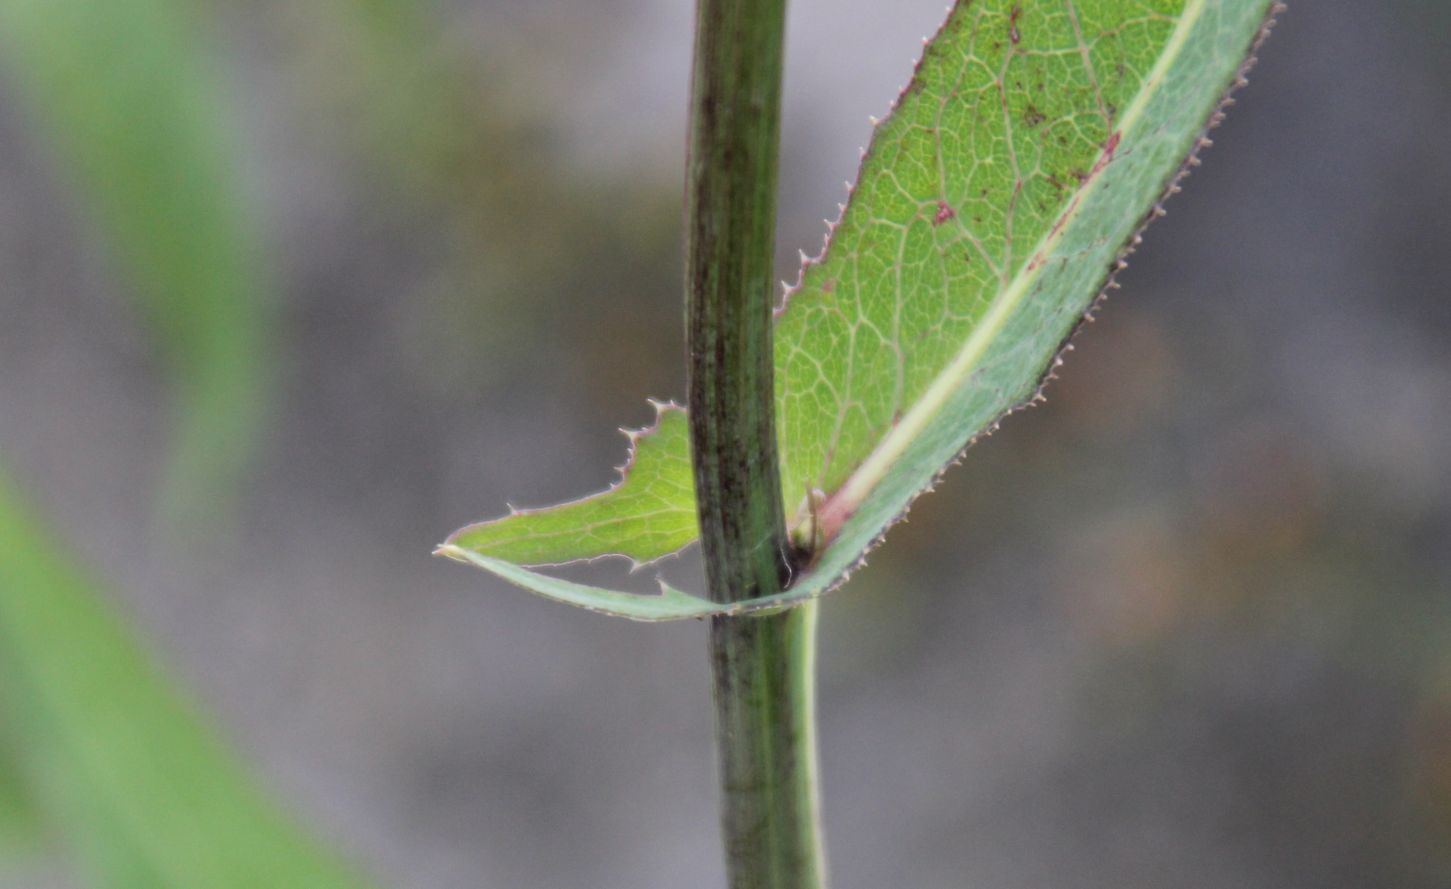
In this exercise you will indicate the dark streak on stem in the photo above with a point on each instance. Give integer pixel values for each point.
(731, 222)
(762, 665)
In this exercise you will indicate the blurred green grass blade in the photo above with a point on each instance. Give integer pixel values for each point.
(119, 763)
(1035, 139)
(20, 825)
(126, 94)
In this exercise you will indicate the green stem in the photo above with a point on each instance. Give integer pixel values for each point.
(764, 666)
(765, 726)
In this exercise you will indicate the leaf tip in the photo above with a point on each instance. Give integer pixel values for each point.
(450, 550)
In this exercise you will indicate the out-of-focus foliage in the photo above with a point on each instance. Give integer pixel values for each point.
(20, 829)
(127, 94)
(119, 764)
(438, 119)
(95, 735)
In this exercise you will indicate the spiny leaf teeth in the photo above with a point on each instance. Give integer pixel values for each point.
(1157, 124)
(1053, 132)
(646, 514)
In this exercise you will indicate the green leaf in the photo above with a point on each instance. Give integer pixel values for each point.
(126, 92)
(671, 604)
(647, 514)
(20, 826)
(116, 761)
(1033, 142)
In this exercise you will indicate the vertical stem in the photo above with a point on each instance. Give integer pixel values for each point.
(765, 729)
(764, 666)
(730, 229)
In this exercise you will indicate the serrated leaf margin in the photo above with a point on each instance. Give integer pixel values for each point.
(836, 563)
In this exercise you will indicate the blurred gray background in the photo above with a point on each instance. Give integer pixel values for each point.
(1187, 625)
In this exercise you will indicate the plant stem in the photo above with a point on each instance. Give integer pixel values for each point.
(731, 224)
(764, 666)
(765, 728)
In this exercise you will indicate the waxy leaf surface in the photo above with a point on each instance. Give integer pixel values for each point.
(1033, 142)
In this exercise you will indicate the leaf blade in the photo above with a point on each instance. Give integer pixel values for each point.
(867, 426)
(21, 831)
(1013, 191)
(670, 604)
(113, 757)
(128, 95)
(1206, 57)
(649, 513)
